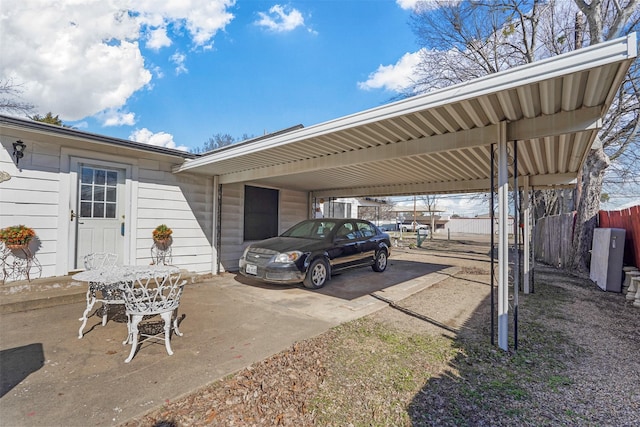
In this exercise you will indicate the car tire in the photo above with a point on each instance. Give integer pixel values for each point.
(317, 274)
(380, 261)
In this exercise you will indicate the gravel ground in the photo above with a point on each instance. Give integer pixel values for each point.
(429, 361)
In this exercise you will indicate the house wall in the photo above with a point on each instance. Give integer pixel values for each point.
(30, 197)
(293, 208)
(340, 208)
(39, 196)
(473, 225)
(185, 204)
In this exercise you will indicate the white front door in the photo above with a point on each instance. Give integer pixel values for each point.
(99, 215)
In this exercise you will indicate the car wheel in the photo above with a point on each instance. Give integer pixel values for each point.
(380, 263)
(317, 274)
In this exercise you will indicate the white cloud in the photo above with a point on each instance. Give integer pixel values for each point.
(413, 4)
(157, 71)
(77, 58)
(160, 139)
(449, 204)
(179, 58)
(281, 19)
(465, 205)
(114, 117)
(158, 38)
(407, 4)
(396, 77)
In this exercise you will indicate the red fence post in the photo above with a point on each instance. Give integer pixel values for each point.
(634, 214)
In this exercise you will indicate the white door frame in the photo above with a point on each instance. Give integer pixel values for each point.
(116, 224)
(70, 159)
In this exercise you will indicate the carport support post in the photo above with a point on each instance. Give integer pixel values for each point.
(516, 239)
(526, 229)
(493, 245)
(503, 239)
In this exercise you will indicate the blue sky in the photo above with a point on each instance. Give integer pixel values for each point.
(256, 80)
(174, 75)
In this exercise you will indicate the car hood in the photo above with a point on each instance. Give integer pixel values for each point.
(286, 244)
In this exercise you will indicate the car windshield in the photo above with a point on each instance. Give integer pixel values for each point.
(310, 230)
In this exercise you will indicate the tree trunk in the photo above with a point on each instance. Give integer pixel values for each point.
(587, 214)
(433, 224)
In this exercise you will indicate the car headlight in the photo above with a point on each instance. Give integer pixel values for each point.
(244, 254)
(287, 257)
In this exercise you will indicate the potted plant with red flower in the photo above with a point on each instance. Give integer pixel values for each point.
(162, 236)
(17, 236)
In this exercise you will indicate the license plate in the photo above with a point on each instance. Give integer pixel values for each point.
(251, 269)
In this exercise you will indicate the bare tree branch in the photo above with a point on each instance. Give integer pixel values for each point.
(10, 99)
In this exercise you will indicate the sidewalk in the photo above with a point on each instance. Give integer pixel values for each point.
(52, 378)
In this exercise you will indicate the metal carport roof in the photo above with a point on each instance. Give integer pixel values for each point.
(440, 142)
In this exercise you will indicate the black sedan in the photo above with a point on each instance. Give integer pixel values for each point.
(312, 250)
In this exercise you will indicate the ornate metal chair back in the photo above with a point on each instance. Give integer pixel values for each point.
(100, 260)
(148, 294)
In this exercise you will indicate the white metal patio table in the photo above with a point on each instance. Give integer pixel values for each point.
(107, 279)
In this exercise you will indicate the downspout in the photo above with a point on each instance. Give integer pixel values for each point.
(218, 227)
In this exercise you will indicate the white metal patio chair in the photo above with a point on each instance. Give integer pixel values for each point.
(150, 294)
(110, 292)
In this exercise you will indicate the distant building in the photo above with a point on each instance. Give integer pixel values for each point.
(481, 224)
(405, 214)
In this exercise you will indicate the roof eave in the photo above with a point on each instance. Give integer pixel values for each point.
(46, 128)
(620, 49)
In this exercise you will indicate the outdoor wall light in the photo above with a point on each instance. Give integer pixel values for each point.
(18, 150)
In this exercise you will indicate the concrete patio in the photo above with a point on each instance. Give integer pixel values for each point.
(49, 377)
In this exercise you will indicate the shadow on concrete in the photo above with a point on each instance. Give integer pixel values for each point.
(18, 363)
(115, 313)
(360, 281)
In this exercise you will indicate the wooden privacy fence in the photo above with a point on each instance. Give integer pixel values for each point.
(553, 239)
(554, 235)
(629, 219)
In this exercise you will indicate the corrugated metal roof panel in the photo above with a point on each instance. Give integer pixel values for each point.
(546, 104)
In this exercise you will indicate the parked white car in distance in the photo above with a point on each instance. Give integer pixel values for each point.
(414, 226)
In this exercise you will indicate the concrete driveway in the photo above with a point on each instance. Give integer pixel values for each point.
(49, 377)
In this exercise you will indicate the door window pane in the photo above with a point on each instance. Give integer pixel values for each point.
(87, 175)
(98, 193)
(110, 211)
(98, 210)
(85, 209)
(101, 176)
(86, 192)
(111, 194)
(112, 178)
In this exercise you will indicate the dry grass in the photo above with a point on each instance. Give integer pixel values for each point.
(574, 366)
